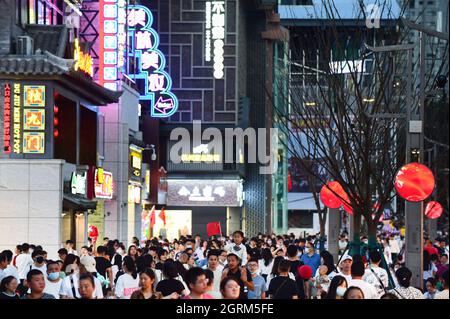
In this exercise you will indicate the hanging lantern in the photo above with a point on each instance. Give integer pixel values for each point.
(433, 210)
(347, 208)
(414, 182)
(328, 198)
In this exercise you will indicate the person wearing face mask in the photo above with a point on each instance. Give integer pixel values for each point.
(311, 258)
(260, 288)
(39, 261)
(337, 288)
(53, 281)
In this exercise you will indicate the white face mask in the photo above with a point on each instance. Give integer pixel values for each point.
(119, 251)
(340, 291)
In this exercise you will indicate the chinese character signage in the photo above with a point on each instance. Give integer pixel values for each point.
(7, 120)
(156, 83)
(103, 184)
(17, 118)
(33, 142)
(205, 193)
(34, 96)
(135, 164)
(215, 35)
(34, 119)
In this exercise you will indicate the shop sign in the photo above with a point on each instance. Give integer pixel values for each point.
(34, 119)
(34, 142)
(78, 183)
(135, 163)
(157, 83)
(17, 118)
(34, 95)
(103, 184)
(205, 193)
(134, 194)
(83, 61)
(7, 119)
(215, 35)
(34, 102)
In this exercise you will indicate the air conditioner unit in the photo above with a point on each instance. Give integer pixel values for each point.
(25, 45)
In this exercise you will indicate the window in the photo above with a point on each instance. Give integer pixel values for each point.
(300, 218)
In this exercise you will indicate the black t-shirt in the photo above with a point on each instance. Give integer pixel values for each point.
(5, 296)
(254, 252)
(159, 265)
(294, 265)
(102, 264)
(169, 286)
(237, 276)
(282, 288)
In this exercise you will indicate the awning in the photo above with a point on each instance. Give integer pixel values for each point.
(77, 203)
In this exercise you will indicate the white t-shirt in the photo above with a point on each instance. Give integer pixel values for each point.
(53, 288)
(10, 270)
(429, 273)
(263, 269)
(241, 253)
(217, 276)
(126, 285)
(395, 248)
(66, 287)
(370, 292)
(42, 268)
(371, 278)
(23, 263)
(72, 251)
(347, 277)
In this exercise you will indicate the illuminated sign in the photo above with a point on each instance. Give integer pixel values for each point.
(83, 61)
(215, 35)
(7, 120)
(135, 163)
(155, 84)
(205, 193)
(208, 158)
(34, 119)
(17, 119)
(78, 183)
(103, 184)
(134, 194)
(34, 142)
(34, 95)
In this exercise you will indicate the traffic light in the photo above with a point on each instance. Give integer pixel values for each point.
(55, 121)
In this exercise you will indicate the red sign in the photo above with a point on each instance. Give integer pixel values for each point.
(103, 184)
(414, 182)
(7, 120)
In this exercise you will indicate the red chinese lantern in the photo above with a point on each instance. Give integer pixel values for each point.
(328, 198)
(433, 210)
(414, 182)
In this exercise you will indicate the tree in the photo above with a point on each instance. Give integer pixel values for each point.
(346, 105)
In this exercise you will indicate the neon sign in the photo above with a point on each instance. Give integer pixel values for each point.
(83, 61)
(7, 120)
(34, 119)
(17, 118)
(157, 84)
(103, 184)
(215, 31)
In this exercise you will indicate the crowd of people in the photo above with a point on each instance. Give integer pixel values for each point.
(234, 267)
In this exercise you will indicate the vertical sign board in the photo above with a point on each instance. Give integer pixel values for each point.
(112, 42)
(153, 82)
(215, 35)
(17, 119)
(34, 119)
(7, 120)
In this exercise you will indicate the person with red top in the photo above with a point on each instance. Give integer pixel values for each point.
(197, 283)
(430, 248)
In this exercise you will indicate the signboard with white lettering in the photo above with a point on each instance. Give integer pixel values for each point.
(205, 193)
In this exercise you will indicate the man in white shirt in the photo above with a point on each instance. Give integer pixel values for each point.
(3, 265)
(346, 267)
(53, 281)
(370, 292)
(24, 261)
(39, 261)
(395, 248)
(215, 267)
(238, 248)
(375, 275)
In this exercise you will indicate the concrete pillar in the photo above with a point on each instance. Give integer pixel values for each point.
(333, 221)
(414, 241)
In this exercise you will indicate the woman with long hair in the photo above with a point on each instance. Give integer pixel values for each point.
(337, 288)
(266, 263)
(132, 252)
(146, 283)
(129, 281)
